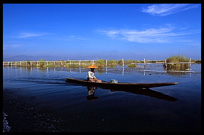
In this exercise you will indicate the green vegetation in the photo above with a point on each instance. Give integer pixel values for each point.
(42, 64)
(101, 63)
(177, 58)
(112, 63)
(173, 63)
(196, 61)
(132, 65)
(130, 62)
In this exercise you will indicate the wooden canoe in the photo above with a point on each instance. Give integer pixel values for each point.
(119, 85)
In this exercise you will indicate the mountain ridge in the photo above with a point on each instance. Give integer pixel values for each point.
(32, 58)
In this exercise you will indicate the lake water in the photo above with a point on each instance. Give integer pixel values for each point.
(112, 111)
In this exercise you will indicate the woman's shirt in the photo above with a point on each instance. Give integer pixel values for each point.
(90, 75)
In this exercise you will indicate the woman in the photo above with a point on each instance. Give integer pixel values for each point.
(90, 76)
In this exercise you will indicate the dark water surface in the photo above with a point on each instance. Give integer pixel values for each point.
(117, 111)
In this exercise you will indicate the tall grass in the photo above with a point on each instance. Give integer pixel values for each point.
(112, 63)
(100, 63)
(174, 65)
(177, 58)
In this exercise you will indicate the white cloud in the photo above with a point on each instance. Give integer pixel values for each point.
(27, 35)
(167, 9)
(152, 35)
(73, 37)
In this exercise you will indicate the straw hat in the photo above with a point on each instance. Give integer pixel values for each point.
(92, 66)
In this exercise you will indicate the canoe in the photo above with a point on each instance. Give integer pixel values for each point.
(119, 85)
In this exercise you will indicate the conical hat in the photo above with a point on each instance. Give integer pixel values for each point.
(92, 66)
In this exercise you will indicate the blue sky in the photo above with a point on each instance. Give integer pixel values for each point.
(107, 31)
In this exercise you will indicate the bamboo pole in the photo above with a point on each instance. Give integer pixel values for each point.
(165, 64)
(123, 62)
(123, 71)
(144, 62)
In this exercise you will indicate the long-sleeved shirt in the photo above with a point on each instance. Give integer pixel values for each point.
(90, 75)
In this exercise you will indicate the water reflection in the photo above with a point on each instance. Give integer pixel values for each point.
(177, 73)
(147, 92)
(178, 69)
(100, 70)
(91, 92)
(122, 70)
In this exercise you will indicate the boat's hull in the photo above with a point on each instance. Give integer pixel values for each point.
(119, 85)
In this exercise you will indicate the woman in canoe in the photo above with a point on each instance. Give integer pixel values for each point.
(90, 76)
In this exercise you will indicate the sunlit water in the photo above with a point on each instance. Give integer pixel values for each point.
(112, 110)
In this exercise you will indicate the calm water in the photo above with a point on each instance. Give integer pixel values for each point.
(113, 110)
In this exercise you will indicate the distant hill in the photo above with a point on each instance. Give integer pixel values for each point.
(25, 57)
